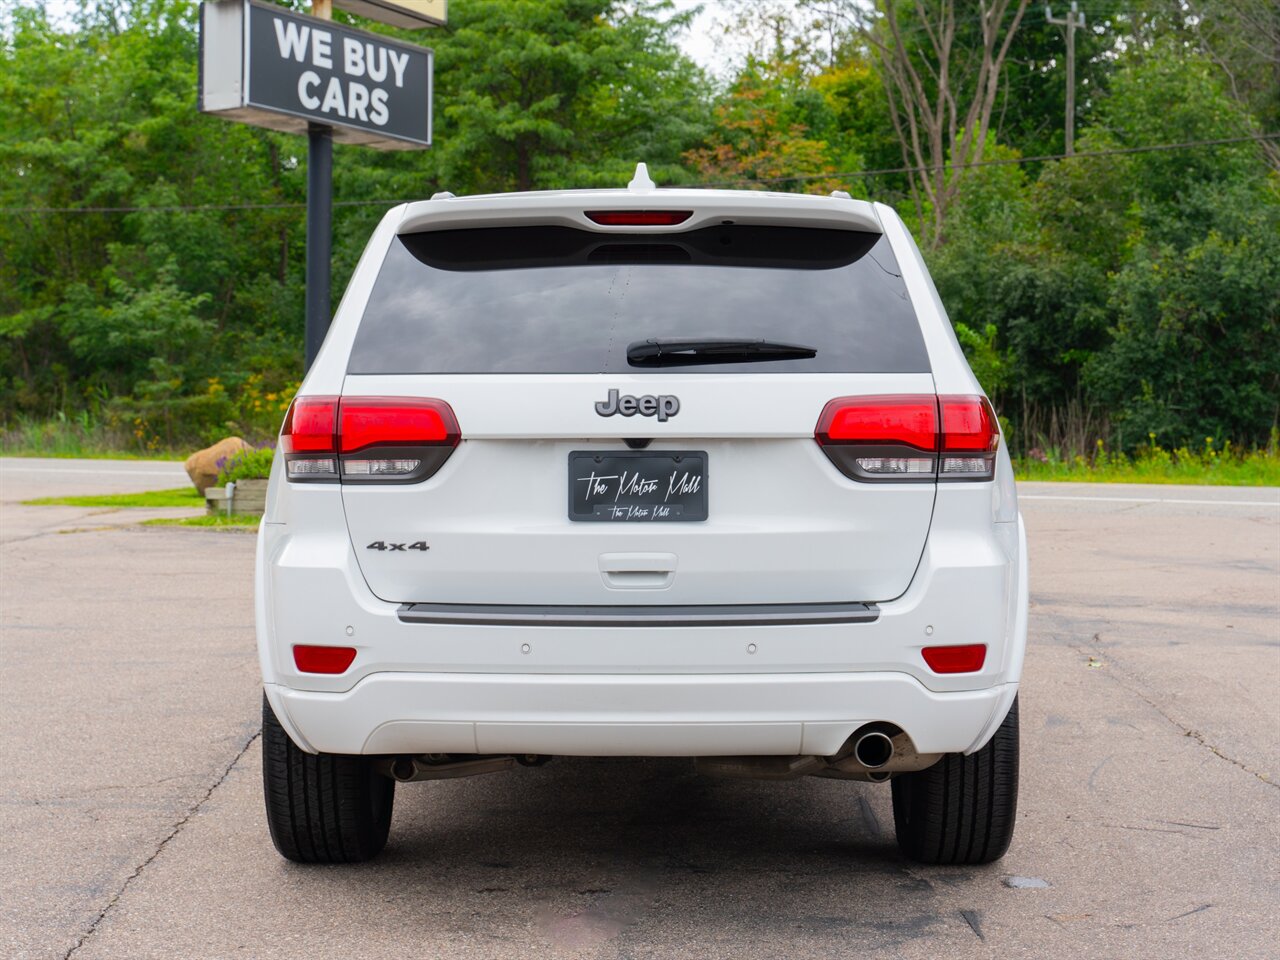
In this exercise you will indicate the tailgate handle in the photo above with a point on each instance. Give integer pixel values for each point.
(638, 571)
(637, 563)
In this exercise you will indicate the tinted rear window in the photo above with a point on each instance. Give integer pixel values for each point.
(551, 299)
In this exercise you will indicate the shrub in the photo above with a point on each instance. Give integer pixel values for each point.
(247, 465)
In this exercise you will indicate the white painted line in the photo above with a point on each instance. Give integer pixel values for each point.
(1211, 503)
(179, 472)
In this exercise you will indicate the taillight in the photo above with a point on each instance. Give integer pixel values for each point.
(638, 218)
(914, 437)
(881, 438)
(967, 658)
(308, 439)
(367, 439)
(970, 435)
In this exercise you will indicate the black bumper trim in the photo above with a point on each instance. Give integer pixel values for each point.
(609, 615)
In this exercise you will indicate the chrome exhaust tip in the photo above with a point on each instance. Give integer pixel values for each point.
(873, 749)
(404, 769)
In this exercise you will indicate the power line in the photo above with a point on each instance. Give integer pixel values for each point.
(834, 175)
(181, 208)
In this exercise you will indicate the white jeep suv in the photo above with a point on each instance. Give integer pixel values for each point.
(641, 473)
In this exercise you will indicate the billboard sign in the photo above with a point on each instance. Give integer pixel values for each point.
(267, 66)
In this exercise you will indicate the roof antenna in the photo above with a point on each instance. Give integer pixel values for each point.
(641, 183)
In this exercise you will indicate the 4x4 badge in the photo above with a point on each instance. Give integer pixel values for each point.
(662, 407)
(383, 545)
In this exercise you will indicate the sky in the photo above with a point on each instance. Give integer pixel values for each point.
(699, 43)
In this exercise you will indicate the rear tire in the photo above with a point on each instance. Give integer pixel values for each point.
(962, 809)
(322, 808)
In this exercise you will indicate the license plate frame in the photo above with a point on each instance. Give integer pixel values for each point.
(613, 486)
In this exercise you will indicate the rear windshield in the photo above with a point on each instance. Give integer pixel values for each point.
(548, 299)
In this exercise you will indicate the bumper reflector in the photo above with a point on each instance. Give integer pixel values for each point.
(968, 658)
(311, 659)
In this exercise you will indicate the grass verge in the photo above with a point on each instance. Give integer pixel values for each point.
(91, 453)
(181, 497)
(236, 521)
(1154, 464)
(1068, 473)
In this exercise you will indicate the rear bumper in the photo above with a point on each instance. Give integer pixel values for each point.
(676, 690)
(630, 715)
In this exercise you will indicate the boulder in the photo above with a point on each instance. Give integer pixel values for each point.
(203, 465)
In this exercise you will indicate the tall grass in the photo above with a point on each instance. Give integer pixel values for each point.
(1152, 463)
(80, 435)
(163, 427)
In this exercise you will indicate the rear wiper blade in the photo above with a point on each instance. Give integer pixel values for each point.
(658, 352)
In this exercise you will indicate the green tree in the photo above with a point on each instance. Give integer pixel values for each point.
(102, 117)
(562, 93)
(1105, 296)
(770, 127)
(1099, 279)
(180, 293)
(1196, 346)
(1194, 304)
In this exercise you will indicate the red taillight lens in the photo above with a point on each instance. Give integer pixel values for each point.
(967, 658)
(395, 422)
(638, 218)
(896, 421)
(367, 439)
(968, 425)
(311, 659)
(310, 425)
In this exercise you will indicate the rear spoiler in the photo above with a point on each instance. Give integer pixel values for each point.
(569, 208)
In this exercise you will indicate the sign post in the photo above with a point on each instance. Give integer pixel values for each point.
(270, 67)
(319, 236)
(319, 225)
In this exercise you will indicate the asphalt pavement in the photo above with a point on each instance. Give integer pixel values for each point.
(131, 808)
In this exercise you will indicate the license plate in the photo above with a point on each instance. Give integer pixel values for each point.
(638, 486)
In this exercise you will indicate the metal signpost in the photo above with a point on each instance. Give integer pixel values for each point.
(270, 67)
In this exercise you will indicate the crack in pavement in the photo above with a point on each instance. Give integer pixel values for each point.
(177, 828)
(129, 526)
(33, 536)
(1127, 681)
(127, 521)
(62, 527)
(1199, 909)
(974, 920)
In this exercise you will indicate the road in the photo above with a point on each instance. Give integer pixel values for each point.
(1149, 820)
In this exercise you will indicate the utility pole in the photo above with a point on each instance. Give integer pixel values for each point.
(1073, 19)
(319, 221)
